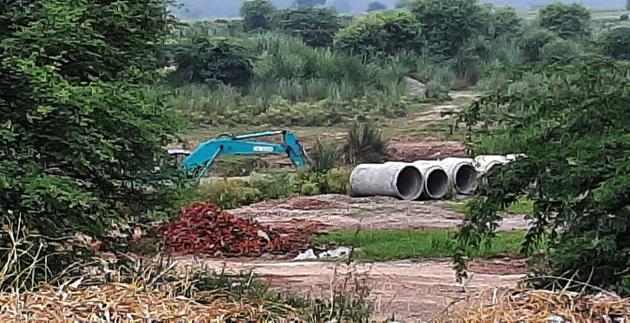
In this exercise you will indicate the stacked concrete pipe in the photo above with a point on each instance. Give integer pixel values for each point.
(401, 180)
(462, 175)
(485, 163)
(436, 182)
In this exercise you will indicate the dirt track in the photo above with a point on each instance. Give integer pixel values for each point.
(343, 212)
(414, 291)
(410, 290)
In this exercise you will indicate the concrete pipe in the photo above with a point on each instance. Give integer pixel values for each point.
(485, 163)
(401, 180)
(435, 179)
(462, 175)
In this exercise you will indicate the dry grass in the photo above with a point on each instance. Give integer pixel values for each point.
(116, 302)
(521, 305)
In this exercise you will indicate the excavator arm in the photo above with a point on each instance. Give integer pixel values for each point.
(201, 159)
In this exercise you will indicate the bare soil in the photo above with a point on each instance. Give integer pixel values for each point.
(413, 291)
(344, 212)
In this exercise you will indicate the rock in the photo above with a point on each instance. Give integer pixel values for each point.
(415, 85)
(306, 255)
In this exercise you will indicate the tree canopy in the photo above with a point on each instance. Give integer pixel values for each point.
(571, 127)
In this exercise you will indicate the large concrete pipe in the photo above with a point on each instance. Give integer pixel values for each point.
(485, 163)
(401, 180)
(462, 175)
(435, 179)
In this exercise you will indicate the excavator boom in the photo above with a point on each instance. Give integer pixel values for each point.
(204, 155)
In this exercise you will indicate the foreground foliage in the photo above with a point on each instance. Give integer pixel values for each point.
(572, 128)
(79, 134)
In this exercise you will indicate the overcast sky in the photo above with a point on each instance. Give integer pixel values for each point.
(198, 9)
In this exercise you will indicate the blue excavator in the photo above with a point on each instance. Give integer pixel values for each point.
(198, 161)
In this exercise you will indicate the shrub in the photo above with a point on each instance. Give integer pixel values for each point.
(616, 43)
(229, 194)
(560, 49)
(365, 144)
(533, 42)
(624, 17)
(577, 178)
(566, 20)
(210, 60)
(380, 33)
(256, 14)
(315, 26)
(324, 156)
(376, 6)
(446, 24)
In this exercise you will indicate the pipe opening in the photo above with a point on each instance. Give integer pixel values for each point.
(409, 183)
(436, 185)
(465, 179)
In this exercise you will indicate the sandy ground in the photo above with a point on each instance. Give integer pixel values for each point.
(413, 291)
(344, 212)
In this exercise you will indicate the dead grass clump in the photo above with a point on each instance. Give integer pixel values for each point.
(515, 305)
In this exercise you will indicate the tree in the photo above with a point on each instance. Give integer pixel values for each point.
(342, 6)
(315, 26)
(308, 3)
(78, 129)
(566, 20)
(256, 14)
(376, 6)
(496, 22)
(616, 43)
(380, 33)
(446, 24)
(210, 60)
(533, 42)
(577, 178)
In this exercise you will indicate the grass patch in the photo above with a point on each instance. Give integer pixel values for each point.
(523, 206)
(383, 245)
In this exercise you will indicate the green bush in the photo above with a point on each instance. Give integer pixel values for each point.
(624, 17)
(380, 33)
(315, 26)
(560, 49)
(365, 144)
(582, 207)
(533, 42)
(566, 20)
(446, 24)
(616, 43)
(256, 14)
(212, 60)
